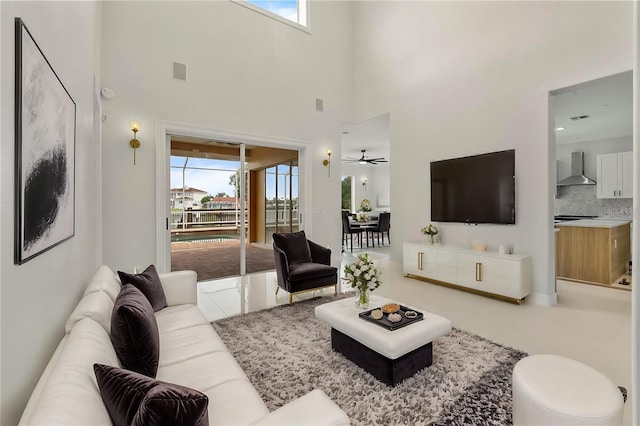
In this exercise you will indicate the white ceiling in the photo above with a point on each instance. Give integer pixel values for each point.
(609, 103)
(372, 135)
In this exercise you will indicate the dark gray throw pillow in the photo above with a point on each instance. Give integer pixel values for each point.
(295, 246)
(148, 282)
(134, 332)
(134, 399)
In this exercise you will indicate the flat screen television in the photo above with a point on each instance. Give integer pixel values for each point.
(475, 189)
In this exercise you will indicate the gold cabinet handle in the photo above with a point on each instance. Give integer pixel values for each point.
(478, 271)
(420, 260)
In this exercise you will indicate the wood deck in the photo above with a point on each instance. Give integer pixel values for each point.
(212, 260)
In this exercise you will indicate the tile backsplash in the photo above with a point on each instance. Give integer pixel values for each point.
(581, 200)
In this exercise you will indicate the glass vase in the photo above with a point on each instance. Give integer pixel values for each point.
(362, 298)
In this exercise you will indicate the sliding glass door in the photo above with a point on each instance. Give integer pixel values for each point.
(281, 199)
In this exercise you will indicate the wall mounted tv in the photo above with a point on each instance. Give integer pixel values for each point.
(476, 189)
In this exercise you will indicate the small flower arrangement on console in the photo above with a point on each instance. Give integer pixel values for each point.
(364, 277)
(431, 231)
(365, 205)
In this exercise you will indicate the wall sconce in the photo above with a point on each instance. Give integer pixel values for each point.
(327, 161)
(134, 143)
(364, 183)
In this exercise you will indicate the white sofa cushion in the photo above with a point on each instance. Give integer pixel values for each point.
(70, 395)
(305, 411)
(97, 306)
(104, 280)
(193, 355)
(179, 288)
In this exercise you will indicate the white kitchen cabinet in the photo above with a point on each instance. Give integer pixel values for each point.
(489, 273)
(614, 175)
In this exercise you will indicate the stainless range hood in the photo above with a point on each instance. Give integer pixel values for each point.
(577, 172)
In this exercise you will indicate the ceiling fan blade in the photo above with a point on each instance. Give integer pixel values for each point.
(376, 159)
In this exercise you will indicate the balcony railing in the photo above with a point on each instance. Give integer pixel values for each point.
(218, 218)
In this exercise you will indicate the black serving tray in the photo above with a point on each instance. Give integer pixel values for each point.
(384, 321)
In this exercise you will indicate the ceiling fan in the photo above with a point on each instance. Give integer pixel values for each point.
(364, 159)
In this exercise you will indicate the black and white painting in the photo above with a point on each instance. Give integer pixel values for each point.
(45, 152)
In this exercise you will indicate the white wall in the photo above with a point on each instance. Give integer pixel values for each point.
(246, 73)
(38, 296)
(462, 78)
(378, 184)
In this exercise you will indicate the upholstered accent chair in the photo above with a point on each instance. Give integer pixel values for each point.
(302, 265)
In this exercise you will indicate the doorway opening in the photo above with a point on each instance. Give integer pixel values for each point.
(218, 205)
(591, 154)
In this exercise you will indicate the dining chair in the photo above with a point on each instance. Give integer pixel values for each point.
(348, 230)
(384, 224)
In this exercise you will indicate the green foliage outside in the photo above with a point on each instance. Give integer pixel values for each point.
(346, 193)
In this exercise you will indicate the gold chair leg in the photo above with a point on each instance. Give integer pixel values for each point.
(290, 299)
(335, 290)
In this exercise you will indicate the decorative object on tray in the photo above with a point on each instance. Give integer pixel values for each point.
(395, 317)
(402, 317)
(431, 231)
(377, 314)
(390, 308)
(364, 277)
(365, 205)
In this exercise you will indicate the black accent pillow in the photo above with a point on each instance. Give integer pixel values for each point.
(294, 245)
(148, 282)
(134, 399)
(134, 332)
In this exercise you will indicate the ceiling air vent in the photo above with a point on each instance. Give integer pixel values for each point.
(580, 117)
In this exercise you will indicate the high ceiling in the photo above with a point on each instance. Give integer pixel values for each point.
(608, 103)
(371, 135)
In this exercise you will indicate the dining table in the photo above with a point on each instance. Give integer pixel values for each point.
(368, 226)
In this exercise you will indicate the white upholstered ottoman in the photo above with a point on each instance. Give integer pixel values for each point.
(554, 390)
(390, 356)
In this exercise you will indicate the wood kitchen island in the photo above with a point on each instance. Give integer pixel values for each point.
(593, 251)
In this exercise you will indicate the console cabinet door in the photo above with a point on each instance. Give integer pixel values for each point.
(469, 271)
(420, 260)
(490, 274)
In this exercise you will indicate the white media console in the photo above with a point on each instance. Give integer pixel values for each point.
(505, 276)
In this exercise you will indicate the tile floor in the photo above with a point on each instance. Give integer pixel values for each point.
(589, 323)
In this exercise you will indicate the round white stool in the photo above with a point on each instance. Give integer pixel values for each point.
(554, 390)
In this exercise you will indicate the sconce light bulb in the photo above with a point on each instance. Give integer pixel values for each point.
(135, 125)
(329, 153)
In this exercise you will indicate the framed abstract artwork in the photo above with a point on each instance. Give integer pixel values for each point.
(45, 132)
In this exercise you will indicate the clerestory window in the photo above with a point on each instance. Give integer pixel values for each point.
(291, 12)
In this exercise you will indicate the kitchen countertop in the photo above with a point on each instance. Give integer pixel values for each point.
(594, 223)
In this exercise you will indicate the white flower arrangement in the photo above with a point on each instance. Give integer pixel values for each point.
(362, 273)
(365, 205)
(429, 230)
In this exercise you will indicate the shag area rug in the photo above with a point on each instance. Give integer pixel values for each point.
(286, 353)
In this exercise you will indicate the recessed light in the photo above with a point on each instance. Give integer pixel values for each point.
(345, 133)
(559, 129)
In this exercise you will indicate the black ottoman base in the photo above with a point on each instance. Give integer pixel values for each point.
(388, 371)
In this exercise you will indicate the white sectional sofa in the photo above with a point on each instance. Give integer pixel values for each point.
(191, 355)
